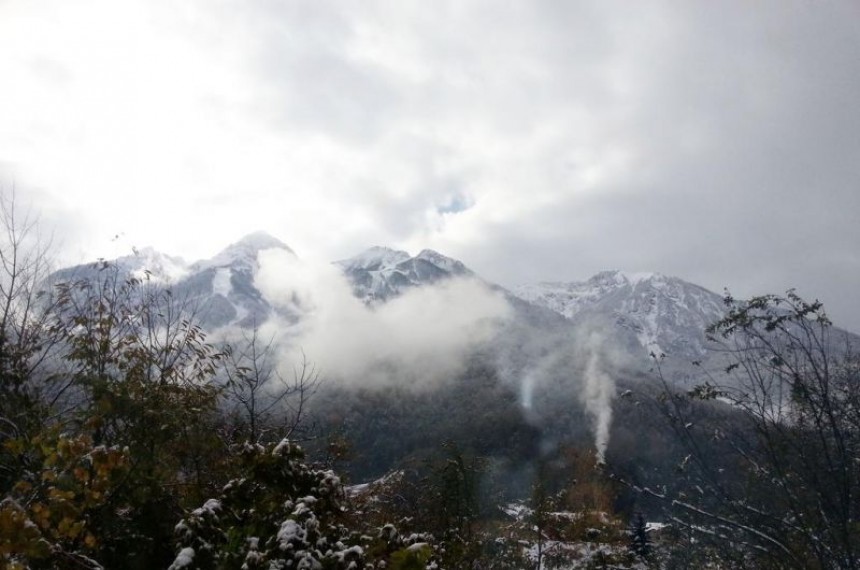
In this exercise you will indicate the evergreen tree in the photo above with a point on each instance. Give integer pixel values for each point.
(640, 542)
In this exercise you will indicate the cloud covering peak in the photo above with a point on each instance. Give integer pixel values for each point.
(418, 338)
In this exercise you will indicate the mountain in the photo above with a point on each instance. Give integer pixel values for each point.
(658, 314)
(381, 273)
(145, 264)
(646, 313)
(242, 256)
(222, 287)
(219, 291)
(541, 380)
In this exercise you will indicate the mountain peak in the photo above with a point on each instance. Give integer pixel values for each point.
(381, 273)
(258, 241)
(375, 258)
(622, 278)
(243, 253)
(443, 262)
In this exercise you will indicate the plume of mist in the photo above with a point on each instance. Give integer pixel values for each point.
(527, 388)
(604, 357)
(536, 379)
(598, 391)
(418, 338)
(582, 361)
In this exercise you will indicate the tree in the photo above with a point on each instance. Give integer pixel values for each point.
(24, 265)
(50, 519)
(640, 542)
(793, 437)
(266, 406)
(132, 374)
(24, 312)
(140, 374)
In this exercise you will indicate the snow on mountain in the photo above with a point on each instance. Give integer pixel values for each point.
(568, 299)
(223, 286)
(381, 273)
(220, 290)
(660, 314)
(375, 258)
(452, 266)
(664, 314)
(147, 263)
(242, 255)
(144, 264)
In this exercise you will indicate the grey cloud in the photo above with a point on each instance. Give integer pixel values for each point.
(739, 123)
(418, 339)
(746, 163)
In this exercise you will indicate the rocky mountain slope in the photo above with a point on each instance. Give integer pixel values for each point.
(658, 314)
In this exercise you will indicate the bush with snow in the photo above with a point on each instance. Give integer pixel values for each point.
(281, 512)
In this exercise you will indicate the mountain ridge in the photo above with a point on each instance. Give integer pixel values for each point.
(648, 313)
(667, 315)
(381, 273)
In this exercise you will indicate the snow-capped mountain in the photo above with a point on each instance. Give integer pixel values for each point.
(665, 315)
(219, 291)
(380, 273)
(242, 255)
(223, 286)
(649, 312)
(145, 264)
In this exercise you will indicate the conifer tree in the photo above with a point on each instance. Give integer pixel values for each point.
(640, 542)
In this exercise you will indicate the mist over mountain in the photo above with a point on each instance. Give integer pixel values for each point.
(366, 313)
(387, 320)
(420, 357)
(653, 312)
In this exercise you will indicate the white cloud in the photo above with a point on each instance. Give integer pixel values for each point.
(420, 337)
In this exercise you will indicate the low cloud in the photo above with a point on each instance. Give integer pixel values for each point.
(417, 339)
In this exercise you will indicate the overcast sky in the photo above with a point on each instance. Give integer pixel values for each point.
(533, 140)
